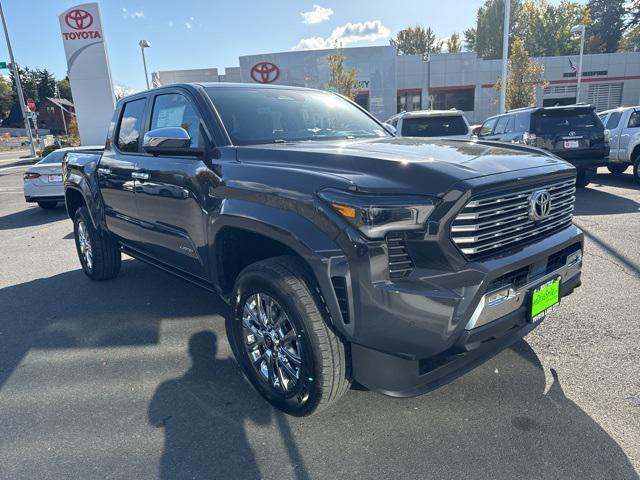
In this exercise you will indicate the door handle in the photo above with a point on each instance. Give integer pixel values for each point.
(104, 171)
(140, 175)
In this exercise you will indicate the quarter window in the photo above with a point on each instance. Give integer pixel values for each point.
(614, 120)
(174, 110)
(130, 125)
(634, 120)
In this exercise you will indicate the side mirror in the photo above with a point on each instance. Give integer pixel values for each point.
(390, 128)
(476, 130)
(169, 141)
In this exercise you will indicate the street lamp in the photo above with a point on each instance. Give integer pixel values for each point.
(579, 29)
(505, 55)
(144, 44)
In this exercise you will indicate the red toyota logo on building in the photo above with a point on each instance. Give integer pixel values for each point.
(265, 72)
(78, 19)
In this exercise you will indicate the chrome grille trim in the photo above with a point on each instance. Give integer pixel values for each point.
(488, 223)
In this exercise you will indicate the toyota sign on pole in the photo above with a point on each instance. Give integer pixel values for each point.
(88, 70)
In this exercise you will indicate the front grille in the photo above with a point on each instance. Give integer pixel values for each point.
(491, 223)
(400, 263)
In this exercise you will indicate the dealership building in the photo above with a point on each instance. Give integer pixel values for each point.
(390, 83)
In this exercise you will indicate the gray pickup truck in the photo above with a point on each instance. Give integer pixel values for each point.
(345, 253)
(623, 125)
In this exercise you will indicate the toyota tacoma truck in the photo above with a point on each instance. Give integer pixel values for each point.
(346, 254)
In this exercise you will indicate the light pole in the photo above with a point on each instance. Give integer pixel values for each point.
(145, 44)
(579, 29)
(505, 55)
(428, 81)
(16, 76)
(64, 120)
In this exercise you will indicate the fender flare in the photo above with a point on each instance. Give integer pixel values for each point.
(319, 251)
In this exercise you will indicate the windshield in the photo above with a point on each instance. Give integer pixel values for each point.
(559, 121)
(53, 157)
(434, 126)
(267, 115)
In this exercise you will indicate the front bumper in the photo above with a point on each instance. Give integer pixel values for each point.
(411, 336)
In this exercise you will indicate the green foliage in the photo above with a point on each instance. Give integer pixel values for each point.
(416, 41)
(608, 22)
(6, 96)
(630, 40)
(454, 43)
(470, 39)
(342, 81)
(524, 76)
(489, 27)
(64, 89)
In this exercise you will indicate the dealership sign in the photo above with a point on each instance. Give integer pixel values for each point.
(80, 21)
(265, 72)
(88, 70)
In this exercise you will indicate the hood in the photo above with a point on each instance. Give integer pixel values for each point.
(404, 163)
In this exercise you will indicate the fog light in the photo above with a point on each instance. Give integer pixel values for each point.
(574, 258)
(499, 296)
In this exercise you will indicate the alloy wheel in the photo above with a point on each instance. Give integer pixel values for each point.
(272, 343)
(85, 245)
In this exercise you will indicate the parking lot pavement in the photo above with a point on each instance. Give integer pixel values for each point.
(133, 378)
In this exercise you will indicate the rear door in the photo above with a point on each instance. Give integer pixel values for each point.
(570, 132)
(631, 129)
(171, 191)
(117, 164)
(614, 123)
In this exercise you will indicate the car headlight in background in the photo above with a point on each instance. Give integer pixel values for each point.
(375, 215)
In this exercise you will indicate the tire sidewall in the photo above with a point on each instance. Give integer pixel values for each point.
(307, 393)
(636, 170)
(81, 216)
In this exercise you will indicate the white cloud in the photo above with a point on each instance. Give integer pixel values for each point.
(132, 14)
(122, 90)
(317, 15)
(188, 25)
(345, 35)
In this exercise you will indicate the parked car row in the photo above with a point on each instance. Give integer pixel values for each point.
(575, 133)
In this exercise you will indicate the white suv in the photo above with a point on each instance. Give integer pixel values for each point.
(431, 123)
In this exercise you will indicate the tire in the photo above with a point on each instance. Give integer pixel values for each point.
(102, 262)
(584, 177)
(281, 286)
(48, 205)
(617, 169)
(636, 170)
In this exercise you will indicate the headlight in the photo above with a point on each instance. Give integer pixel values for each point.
(375, 215)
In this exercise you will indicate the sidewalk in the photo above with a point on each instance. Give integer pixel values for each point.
(14, 158)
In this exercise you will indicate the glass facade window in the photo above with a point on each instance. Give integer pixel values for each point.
(463, 99)
(409, 102)
(362, 99)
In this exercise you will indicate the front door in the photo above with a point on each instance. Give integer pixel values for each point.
(171, 191)
(115, 168)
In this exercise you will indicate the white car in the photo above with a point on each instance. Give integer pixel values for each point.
(43, 180)
(431, 123)
(623, 125)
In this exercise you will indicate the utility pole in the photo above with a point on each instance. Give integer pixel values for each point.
(579, 29)
(505, 56)
(16, 76)
(145, 44)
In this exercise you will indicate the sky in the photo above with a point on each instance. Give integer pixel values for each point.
(205, 34)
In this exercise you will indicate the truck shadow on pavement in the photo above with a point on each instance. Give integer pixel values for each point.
(591, 201)
(495, 422)
(32, 217)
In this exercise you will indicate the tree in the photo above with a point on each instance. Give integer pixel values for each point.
(470, 39)
(524, 76)
(608, 22)
(74, 134)
(454, 44)
(45, 84)
(342, 81)
(416, 41)
(64, 89)
(489, 27)
(630, 40)
(634, 13)
(6, 96)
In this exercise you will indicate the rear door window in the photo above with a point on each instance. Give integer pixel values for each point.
(131, 125)
(522, 122)
(614, 120)
(434, 126)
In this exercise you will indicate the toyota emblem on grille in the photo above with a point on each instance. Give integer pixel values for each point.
(539, 205)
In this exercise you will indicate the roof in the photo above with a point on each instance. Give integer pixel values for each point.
(61, 102)
(433, 113)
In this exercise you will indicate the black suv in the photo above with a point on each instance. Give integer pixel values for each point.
(344, 252)
(572, 132)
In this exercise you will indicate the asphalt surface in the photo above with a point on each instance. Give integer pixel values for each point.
(120, 379)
